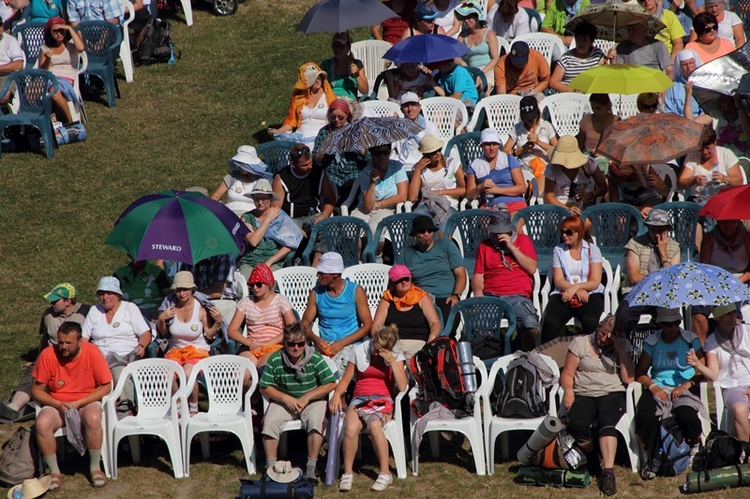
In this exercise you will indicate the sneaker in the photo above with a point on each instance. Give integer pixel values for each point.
(345, 484)
(607, 484)
(647, 474)
(382, 483)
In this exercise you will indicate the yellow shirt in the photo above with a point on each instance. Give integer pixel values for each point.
(673, 30)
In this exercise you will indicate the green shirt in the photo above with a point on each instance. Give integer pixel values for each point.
(556, 16)
(433, 270)
(282, 377)
(265, 249)
(147, 288)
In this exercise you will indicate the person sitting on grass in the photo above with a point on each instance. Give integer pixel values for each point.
(296, 381)
(377, 367)
(72, 375)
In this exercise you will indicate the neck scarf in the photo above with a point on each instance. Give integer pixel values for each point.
(411, 298)
(608, 355)
(301, 363)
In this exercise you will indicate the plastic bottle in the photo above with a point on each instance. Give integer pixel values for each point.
(466, 366)
(489, 199)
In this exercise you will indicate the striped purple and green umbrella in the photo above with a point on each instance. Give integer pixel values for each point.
(179, 226)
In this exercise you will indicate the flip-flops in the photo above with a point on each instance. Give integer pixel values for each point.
(55, 481)
(98, 479)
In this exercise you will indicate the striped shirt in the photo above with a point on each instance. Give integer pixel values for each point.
(264, 324)
(282, 377)
(573, 66)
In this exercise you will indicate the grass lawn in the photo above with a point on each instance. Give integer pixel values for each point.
(175, 127)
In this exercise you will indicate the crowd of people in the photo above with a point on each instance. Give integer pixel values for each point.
(194, 308)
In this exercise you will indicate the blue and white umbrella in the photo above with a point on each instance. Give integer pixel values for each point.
(688, 284)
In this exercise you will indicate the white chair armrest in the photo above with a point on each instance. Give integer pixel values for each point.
(126, 5)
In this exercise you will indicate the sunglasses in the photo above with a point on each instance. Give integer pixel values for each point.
(257, 284)
(403, 279)
(59, 31)
(711, 28)
(568, 232)
(651, 107)
(425, 231)
(303, 151)
(338, 117)
(298, 344)
(381, 152)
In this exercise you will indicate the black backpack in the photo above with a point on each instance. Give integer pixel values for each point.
(154, 43)
(435, 369)
(522, 394)
(721, 449)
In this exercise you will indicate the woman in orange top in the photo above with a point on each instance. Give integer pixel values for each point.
(309, 106)
(709, 45)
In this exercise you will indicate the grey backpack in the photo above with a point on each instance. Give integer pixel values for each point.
(18, 460)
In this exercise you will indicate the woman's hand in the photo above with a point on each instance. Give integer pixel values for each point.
(374, 176)
(660, 394)
(335, 404)
(215, 314)
(678, 391)
(168, 314)
(420, 165)
(568, 293)
(354, 70)
(688, 89)
(272, 213)
(387, 356)
(583, 295)
(487, 185)
(568, 398)
(575, 210)
(692, 359)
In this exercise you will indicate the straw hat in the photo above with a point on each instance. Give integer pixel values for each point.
(32, 488)
(283, 472)
(567, 153)
(429, 144)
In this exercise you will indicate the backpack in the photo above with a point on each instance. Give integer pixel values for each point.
(670, 454)
(19, 458)
(721, 449)
(435, 369)
(268, 489)
(154, 43)
(522, 394)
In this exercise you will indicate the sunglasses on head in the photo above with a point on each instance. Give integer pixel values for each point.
(303, 151)
(298, 344)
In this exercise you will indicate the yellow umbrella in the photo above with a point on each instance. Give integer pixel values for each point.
(621, 79)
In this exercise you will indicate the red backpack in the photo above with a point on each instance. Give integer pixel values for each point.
(435, 369)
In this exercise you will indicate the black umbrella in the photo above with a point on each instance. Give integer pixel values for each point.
(332, 16)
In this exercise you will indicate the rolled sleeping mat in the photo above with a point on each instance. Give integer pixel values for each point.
(544, 434)
(719, 478)
(332, 461)
(529, 475)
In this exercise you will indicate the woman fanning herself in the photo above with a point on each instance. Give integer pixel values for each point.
(577, 274)
(59, 55)
(598, 366)
(264, 314)
(187, 326)
(377, 368)
(408, 307)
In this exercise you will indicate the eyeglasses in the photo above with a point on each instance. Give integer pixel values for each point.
(650, 107)
(258, 199)
(710, 28)
(298, 344)
(381, 152)
(337, 117)
(568, 232)
(257, 284)
(425, 231)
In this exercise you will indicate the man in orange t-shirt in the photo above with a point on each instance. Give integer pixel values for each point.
(523, 71)
(71, 375)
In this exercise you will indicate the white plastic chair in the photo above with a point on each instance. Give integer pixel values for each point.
(373, 277)
(126, 55)
(503, 46)
(224, 376)
(565, 111)
(188, 10)
(448, 115)
(531, 179)
(470, 426)
(550, 46)
(502, 111)
(157, 409)
(624, 105)
(241, 285)
(295, 284)
(370, 52)
(603, 45)
(383, 108)
(665, 172)
(495, 426)
(78, 111)
(296, 424)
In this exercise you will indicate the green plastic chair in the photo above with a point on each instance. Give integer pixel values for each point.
(275, 154)
(102, 41)
(683, 215)
(542, 225)
(613, 225)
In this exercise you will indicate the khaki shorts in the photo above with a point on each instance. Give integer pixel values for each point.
(313, 418)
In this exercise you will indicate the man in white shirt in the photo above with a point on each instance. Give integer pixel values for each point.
(11, 59)
(407, 151)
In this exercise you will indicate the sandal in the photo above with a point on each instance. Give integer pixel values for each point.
(98, 479)
(55, 481)
(382, 483)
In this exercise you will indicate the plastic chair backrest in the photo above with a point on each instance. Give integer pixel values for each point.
(611, 225)
(100, 38)
(370, 52)
(153, 379)
(666, 172)
(383, 108)
(342, 235)
(469, 228)
(444, 113)
(373, 277)
(398, 227)
(224, 376)
(379, 90)
(481, 318)
(503, 47)
(742, 9)
(478, 73)
(467, 145)
(542, 225)
(623, 105)
(502, 113)
(565, 111)
(683, 215)
(30, 38)
(35, 89)
(295, 284)
(275, 154)
(535, 20)
(550, 46)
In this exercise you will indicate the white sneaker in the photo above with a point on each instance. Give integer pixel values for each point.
(345, 484)
(382, 483)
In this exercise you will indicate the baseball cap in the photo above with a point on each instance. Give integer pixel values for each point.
(519, 53)
(529, 108)
(63, 290)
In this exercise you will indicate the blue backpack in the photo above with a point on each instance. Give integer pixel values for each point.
(671, 453)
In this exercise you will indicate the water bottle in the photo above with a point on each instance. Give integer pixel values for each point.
(714, 185)
(466, 366)
(17, 494)
(489, 199)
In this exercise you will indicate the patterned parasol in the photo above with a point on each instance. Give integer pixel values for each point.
(650, 138)
(367, 133)
(613, 17)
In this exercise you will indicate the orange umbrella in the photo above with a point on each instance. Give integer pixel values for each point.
(650, 139)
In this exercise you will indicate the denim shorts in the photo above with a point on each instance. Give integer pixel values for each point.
(526, 315)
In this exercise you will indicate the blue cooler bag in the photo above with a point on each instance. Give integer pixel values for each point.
(268, 489)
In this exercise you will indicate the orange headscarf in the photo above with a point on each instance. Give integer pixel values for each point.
(411, 298)
(301, 96)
